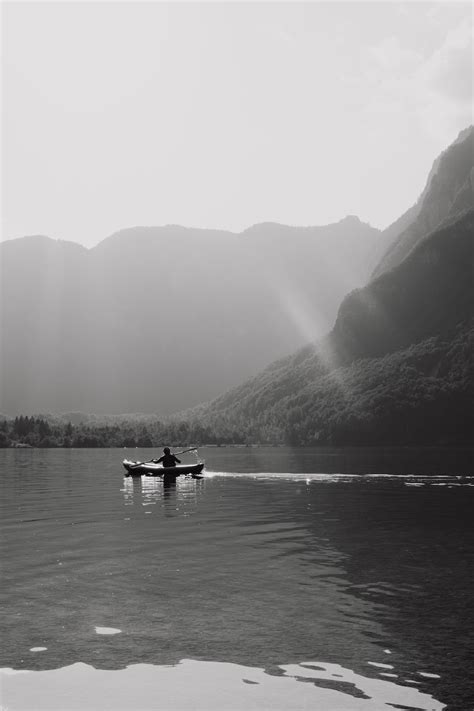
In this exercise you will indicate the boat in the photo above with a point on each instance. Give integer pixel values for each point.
(154, 469)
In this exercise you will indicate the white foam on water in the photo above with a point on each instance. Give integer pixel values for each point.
(38, 649)
(214, 686)
(407, 479)
(107, 630)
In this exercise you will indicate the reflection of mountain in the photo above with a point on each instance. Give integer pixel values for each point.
(157, 319)
(396, 368)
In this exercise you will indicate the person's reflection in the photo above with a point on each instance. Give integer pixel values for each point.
(169, 486)
(151, 490)
(169, 496)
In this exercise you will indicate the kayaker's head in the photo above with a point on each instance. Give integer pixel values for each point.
(166, 450)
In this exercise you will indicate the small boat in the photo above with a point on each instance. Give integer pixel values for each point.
(154, 469)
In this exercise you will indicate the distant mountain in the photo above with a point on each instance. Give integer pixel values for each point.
(396, 368)
(449, 190)
(157, 319)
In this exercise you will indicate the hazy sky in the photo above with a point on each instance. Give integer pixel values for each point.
(225, 114)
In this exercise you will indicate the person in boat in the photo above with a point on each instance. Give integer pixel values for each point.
(168, 459)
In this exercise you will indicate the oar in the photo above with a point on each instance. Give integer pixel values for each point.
(191, 449)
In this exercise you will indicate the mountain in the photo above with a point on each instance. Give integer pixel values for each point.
(449, 190)
(397, 365)
(157, 319)
(396, 368)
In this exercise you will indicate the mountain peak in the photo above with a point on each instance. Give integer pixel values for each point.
(448, 192)
(462, 135)
(351, 219)
(39, 241)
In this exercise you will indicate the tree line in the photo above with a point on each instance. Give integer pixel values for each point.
(418, 396)
(26, 431)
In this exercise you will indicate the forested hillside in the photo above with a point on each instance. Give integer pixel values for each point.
(420, 395)
(396, 368)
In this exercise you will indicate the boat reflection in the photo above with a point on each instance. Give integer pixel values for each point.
(177, 497)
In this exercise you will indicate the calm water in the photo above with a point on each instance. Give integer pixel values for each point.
(277, 557)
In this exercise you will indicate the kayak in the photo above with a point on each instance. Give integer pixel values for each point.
(153, 469)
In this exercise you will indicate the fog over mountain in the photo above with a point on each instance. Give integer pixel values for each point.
(156, 319)
(159, 319)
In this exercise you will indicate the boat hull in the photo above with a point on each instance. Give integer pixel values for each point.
(152, 469)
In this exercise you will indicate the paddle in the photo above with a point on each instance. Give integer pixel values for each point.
(184, 451)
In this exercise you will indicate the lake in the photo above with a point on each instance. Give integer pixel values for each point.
(286, 578)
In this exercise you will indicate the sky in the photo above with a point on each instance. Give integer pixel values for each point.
(223, 115)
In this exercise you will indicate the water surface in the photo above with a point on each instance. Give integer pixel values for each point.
(359, 561)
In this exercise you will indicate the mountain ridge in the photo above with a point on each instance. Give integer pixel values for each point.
(108, 329)
(448, 190)
(177, 228)
(162, 323)
(317, 395)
